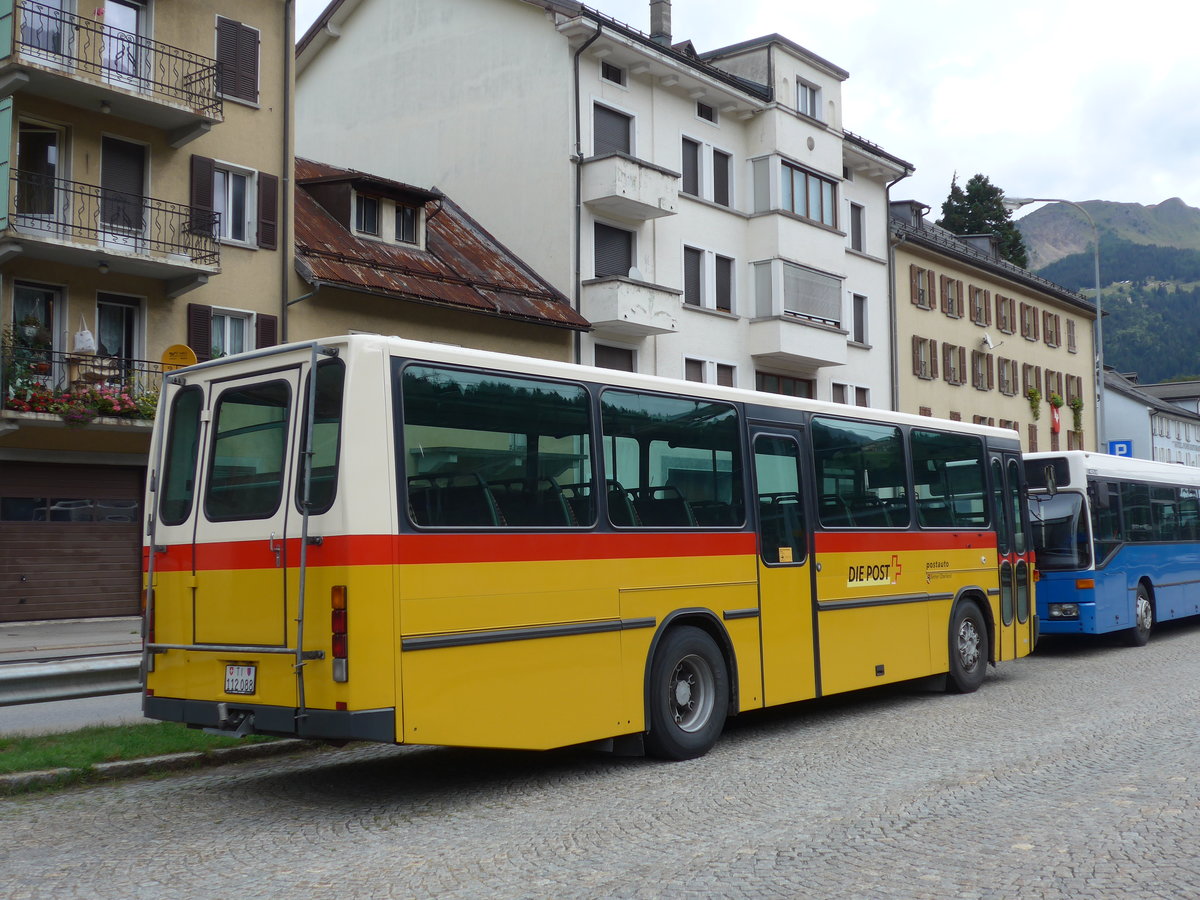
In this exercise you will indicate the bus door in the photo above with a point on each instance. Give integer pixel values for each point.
(786, 616)
(247, 511)
(1013, 631)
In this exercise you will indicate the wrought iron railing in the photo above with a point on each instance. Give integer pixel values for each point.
(128, 60)
(113, 220)
(36, 379)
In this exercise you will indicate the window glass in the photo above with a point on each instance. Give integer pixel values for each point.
(250, 437)
(179, 465)
(1060, 536)
(327, 437)
(860, 474)
(671, 461)
(489, 450)
(1107, 533)
(999, 507)
(1135, 502)
(780, 506)
(1015, 490)
(948, 477)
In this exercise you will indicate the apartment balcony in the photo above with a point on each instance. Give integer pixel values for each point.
(616, 184)
(622, 307)
(78, 224)
(795, 341)
(86, 64)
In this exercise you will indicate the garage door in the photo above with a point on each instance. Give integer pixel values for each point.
(70, 541)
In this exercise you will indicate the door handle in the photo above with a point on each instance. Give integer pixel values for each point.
(274, 548)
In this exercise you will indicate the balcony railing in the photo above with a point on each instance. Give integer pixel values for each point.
(115, 221)
(121, 58)
(35, 380)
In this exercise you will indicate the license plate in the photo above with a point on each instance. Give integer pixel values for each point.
(239, 679)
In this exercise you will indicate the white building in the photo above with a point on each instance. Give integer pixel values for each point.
(1160, 421)
(707, 213)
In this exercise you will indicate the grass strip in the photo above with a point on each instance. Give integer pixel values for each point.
(107, 743)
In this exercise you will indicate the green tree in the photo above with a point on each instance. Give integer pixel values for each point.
(979, 209)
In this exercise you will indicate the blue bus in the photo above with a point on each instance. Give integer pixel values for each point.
(1117, 542)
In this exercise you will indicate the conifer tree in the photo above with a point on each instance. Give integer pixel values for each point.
(979, 209)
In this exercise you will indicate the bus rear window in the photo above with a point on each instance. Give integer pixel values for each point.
(246, 474)
(179, 468)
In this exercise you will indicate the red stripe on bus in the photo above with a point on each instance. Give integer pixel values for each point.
(894, 541)
(367, 550)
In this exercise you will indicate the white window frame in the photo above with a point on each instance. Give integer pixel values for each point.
(246, 317)
(708, 280)
(221, 203)
(710, 367)
(857, 232)
(706, 172)
(808, 99)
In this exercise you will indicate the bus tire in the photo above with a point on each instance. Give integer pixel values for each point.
(1143, 619)
(968, 648)
(689, 695)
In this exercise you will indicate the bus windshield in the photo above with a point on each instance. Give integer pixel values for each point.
(1060, 535)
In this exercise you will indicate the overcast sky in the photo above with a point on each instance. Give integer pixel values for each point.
(1048, 98)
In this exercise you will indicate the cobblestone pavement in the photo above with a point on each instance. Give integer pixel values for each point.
(1072, 773)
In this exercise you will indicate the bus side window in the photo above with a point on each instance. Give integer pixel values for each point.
(860, 473)
(179, 467)
(327, 437)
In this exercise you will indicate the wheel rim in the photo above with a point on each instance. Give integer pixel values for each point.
(968, 644)
(1143, 615)
(691, 693)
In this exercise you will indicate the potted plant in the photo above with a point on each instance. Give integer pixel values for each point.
(1055, 400)
(1035, 402)
(1076, 405)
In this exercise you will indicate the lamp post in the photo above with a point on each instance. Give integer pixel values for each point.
(1014, 203)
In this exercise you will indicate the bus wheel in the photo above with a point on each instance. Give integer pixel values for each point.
(968, 648)
(689, 695)
(1143, 619)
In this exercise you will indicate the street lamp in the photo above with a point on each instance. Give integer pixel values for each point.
(1014, 203)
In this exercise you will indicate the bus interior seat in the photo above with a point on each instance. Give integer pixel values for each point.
(833, 511)
(662, 505)
(621, 509)
(524, 501)
(453, 499)
(867, 509)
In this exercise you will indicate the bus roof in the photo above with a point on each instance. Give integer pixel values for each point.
(465, 356)
(1104, 465)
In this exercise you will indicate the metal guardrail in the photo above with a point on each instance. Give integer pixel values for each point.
(69, 679)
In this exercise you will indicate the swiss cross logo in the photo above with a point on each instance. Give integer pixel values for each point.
(896, 568)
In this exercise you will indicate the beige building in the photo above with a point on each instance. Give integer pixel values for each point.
(981, 340)
(141, 208)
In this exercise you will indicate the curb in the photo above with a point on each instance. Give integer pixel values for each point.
(21, 782)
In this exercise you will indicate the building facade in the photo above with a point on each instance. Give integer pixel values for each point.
(985, 341)
(1153, 421)
(145, 145)
(706, 212)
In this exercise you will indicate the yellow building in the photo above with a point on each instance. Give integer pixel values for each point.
(981, 340)
(144, 146)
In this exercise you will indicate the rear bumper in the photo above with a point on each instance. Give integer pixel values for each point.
(249, 718)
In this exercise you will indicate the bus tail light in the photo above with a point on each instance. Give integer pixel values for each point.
(1085, 584)
(337, 627)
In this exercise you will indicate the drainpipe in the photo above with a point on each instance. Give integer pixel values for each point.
(895, 353)
(578, 160)
(285, 171)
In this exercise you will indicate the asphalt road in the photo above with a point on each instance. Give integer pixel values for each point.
(1070, 774)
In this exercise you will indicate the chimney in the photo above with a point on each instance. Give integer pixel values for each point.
(660, 22)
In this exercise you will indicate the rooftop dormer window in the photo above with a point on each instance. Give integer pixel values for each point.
(386, 219)
(408, 219)
(366, 215)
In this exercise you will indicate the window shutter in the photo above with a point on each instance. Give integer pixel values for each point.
(914, 285)
(723, 295)
(962, 364)
(987, 307)
(202, 220)
(916, 355)
(610, 131)
(199, 330)
(692, 261)
(943, 293)
(266, 331)
(958, 299)
(991, 372)
(721, 165)
(237, 60)
(691, 167)
(614, 250)
(268, 213)
(933, 359)
(947, 362)
(227, 31)
(247, 61)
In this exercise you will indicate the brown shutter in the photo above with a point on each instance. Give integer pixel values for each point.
(202, 196)
(268, 211)
(991, 372)
(199, 330)
(933, 359)
(942, 282)
(266, 331)
(958, 299)
(237, 60)
(913, 285)
(247, 60)
(916, 354)
(987, 307)
(227, 32)
(962, 364)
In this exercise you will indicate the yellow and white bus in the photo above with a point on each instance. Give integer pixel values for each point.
(434, 545)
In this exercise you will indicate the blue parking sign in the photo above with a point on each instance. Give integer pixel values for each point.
(1120, 448)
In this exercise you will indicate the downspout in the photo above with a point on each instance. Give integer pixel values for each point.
(578, 160)
(894, 352)
(285, 170)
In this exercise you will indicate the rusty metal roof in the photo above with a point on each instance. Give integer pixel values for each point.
(461, 266)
